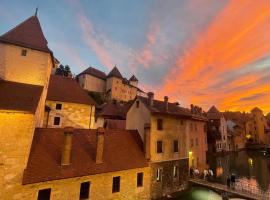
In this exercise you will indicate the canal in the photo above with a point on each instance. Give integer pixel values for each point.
(252, 170)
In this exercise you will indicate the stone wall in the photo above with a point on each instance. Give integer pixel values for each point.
(71, 114)
(100, 187)
(168, 183)
(91, 83)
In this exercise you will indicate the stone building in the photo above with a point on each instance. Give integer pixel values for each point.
(57, 163)
(165, 130)
(217, 135)
(67, 104)
(114, 86)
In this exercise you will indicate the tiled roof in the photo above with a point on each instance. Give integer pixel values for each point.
(114, 73)
(94, 72)
(19, 96)
(114, 110)
(67, 90)
(122, 151)
(133, 78)
(213, 113)
(173, 109)
(237, 117)
(256, 109)
(27, 34)
(115, 124)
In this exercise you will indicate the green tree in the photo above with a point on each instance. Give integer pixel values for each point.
(63, 71)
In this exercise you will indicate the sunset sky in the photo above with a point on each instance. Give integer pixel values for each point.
(205, 52)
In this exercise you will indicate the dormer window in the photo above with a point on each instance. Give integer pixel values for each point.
(23, 52)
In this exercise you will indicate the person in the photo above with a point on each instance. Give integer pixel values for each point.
(191, 172)
(210, 172)
(233, 180)
(228, 182)
(205, 174)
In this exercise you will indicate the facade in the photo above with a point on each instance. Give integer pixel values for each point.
(67, 104)
(113, 85)
(164, 128)
(217, 135)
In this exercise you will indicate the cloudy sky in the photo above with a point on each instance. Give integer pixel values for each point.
(205, 52)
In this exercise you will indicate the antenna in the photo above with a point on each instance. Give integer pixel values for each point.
(36, 11)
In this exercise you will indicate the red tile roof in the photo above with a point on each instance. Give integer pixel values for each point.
(173, 109)
(19, 96)
(115, 124)
(67, 90)
(27, 34)
(94, 72)
(114, 73)
(113, 110)
(122, 151)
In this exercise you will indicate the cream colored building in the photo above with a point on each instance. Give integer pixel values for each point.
(113, 85)
(68, 104)
(165, 129)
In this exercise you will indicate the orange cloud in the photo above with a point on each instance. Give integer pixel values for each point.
(237, 37)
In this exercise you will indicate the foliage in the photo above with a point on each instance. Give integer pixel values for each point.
(63, 71)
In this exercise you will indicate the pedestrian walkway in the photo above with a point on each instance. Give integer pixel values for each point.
(223, 188)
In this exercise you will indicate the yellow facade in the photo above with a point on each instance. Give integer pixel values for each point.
(71, 114)
(16, 132)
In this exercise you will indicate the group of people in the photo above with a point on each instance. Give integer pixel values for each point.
(231, 181)
(207, 173)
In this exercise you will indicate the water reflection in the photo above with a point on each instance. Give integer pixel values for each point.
(251, 168)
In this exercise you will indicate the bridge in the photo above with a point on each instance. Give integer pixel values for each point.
(239, 191)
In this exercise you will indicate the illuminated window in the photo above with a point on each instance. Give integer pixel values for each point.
(84, 190)
(44, 194)
(24, 52)
(139, 179)
(116, 184)
(58, 106)
(56, 121)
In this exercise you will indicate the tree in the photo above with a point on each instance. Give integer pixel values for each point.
(63, 71)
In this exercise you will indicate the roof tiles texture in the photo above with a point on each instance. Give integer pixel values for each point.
(19, 96)
(27, 34)
(94, 72)
(45, 157)
(67, 90)
(114, 110)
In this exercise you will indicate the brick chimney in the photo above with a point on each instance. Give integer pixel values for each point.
(166, 99)
(147, 140)
(66, 150)
(151, 98)
(100, 145)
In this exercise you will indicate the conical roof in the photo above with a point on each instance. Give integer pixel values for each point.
(213, 113)
(213, 109)
(133, 78)
(27, 34)
(256, 109)
(114, 73)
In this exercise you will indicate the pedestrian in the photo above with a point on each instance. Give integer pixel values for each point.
(233, 180)
(228, 182)
(205, 174)
(210, 171)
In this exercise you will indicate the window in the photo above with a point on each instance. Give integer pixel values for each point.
(84, 191)
(56, 121)
(197, 143)
(116, 184)
(159, 175)
(137, 104)
(44, 194)
(175, 146)
(191, 143)
(23, 52)
(191, 126)
(159, 147)
(139, 179)
(58, 106)
(181, 122)
(196, 128)
(175, 171)
(160, 124)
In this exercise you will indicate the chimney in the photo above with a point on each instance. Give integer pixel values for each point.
(147, 140)
(151, 98)
(100, 145)
(166, 99)
(66, 151)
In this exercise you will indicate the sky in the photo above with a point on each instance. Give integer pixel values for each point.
(202, 52)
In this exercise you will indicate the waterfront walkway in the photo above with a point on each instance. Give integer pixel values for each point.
(239, 191)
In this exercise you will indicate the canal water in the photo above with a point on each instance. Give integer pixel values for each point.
(252, 170)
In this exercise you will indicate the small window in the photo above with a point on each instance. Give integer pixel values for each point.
(58, 106)
(175, 171)
(24, 52)
(44, 194)
(191, 126)
(191, 143)
(159, 124)
(56, 121)
(159, 175)
(137, 104)
(84, 191)
(116, 184)
(159, 147)
(182, 122)
(139, 179)
(197, 143)
(175, 146)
